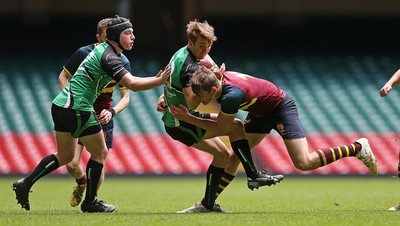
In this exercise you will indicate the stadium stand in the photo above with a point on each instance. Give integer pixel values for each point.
(338, 99)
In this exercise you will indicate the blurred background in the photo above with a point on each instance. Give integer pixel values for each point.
(332, 56)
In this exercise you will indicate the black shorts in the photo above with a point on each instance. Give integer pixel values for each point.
(78, 123)
(284, 119)
(187, 133)
(108, 130)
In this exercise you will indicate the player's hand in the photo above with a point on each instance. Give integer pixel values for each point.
(164, 75)
(180, 112)
(219, 71)
(385, 90)
(105, 116)
(161, 106)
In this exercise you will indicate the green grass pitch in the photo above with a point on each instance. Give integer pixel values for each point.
(154, 201)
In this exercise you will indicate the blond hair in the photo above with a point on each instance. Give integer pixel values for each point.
(195, 28)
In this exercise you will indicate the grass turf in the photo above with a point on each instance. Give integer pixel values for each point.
(154, 201)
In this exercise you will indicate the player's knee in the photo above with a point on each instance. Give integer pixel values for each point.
(104, 154)
(71, 166)
(231, 154)
(224, 155)
(302, 165)
(237, 124)
(233, 158)
(99, 155)
(236, 131)
(221, 155)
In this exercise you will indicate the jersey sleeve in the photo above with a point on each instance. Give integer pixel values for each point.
(231, 99)
(112, 65)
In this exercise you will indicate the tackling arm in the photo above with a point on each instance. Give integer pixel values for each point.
(219, 127)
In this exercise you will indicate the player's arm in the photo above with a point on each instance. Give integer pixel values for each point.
(124, 101)
(393, 81)
(219, 127)
(106, 114)
(161, 106)
(209, 63)
(63, 78)
(144, 83)
(72, 65)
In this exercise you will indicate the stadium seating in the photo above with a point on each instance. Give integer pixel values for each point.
(337, 96)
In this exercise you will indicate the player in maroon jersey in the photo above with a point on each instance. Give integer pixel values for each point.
(268, 107)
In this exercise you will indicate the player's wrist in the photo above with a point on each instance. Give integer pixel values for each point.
(112, 111)
(161, 80)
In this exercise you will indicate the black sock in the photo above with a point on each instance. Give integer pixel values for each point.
(243, 152)
(93, 172)
(46, 166)
(213, 178)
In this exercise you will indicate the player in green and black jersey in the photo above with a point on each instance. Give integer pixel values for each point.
(74, 116)
(183, 63)
(103, 107)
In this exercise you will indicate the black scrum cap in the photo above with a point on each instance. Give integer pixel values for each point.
(116, 26)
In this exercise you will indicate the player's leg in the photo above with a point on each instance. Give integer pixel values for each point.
(304, 160)
(286, 122)
(262, 178)
(76, 171)
(226, 178)
(191, 135)
(65, 151)
(301, 158)
(241, 148)
(95, 144)
(108, 131)
(220, 153)
(194, 136)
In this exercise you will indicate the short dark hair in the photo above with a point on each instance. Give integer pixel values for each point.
(102, 25)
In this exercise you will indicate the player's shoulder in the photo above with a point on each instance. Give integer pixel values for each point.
(126, 63)
(124, 59)
(181, 55)
(86, 49)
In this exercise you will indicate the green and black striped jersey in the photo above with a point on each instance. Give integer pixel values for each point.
(95, 72)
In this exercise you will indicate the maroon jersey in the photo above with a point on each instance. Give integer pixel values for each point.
(248, 93)
(104, 101)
